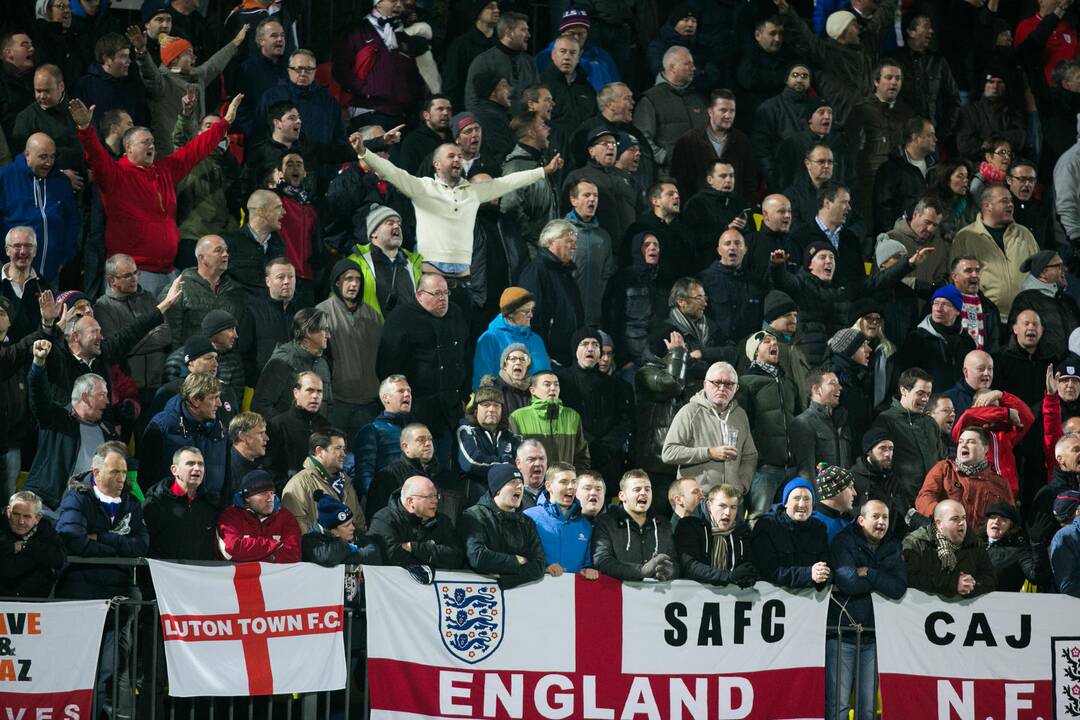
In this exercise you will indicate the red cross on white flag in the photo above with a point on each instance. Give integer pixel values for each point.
(251, 628)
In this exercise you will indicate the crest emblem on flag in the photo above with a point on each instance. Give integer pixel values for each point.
(1067, 677)
(471, 618)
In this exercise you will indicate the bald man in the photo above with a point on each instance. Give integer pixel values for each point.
(56, 221)
(776, 220)
(258, 242)
(956, 566)
(206, 287)
(48, 114)
(412, 531)
(977, 374)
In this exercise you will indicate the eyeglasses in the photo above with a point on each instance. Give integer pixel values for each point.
(1054, 265)
(126, 276)
(823, 162)
(301, 69)
(608, 143)
(721, 384)
(429, 496)
(437, 294)
(872, 319)
(517, 359)
(1003, 152)
(1023, 178)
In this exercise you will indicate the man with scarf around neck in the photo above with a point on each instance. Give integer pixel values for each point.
(947, 559)
(771, 400)
(556, 426)
(715, 549)
(688, 325)
(865, 559)
(515, 368)
(969, 479)
(564, 532)
(709, 438)
(631, 543)
(979, 316)
(31, 553)
(324, 471)
(791, 548)
(939, 344)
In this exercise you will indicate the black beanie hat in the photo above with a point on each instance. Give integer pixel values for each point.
(777, 303)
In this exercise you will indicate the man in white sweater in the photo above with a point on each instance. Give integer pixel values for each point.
(446, 205)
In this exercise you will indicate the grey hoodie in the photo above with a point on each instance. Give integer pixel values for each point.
(698, 427)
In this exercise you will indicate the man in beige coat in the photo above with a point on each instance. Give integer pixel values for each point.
(323, 470)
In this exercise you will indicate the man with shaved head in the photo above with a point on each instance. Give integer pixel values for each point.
(946, 559)
(978, 374)
(206, 287)
(34, 193)
(258, 242)
(48, 114)
(776, 219)
(413, 532)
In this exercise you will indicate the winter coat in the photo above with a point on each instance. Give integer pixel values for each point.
(298, 496)
(104, 92)
(433, 541)
(1065, 559)
(874, 483)
(47, 205)
(122, 536)
(935, 269)
(929, 87)
(500, 334)
(875, 129)
(392, 478)
(596, 68)
(242, 536)
(430, 352)
(696, 428)
(917, 448)
(174, 428)
(776, 119)
(1004, 436)
(771, 404)
(1056, 308)
(320, 547)
(319, 111)
(273, 392)
(792, 152)
(209, 198)
(850, 270)
(785, 550)
(289, 440)
(247, 259)
(699, 336)
(300, 230)
(498, 139)
(493, 538)
(606, 406)
(665, 112)
(707, 214)
(1016, 561)
(694, 152)
(620, 547)
(594, 266)
(514, 65)
(857, 389)
(370, 292)
(532, 206)
(735, 301)
(185, 317)
(695, 543)
(565, 534)
(140, 203)
(145, 360)
(59, 439)
(354, 339)
(575, 102)
(378, 78)
(166, 89)
(562, 436)
(55, 122)
(985, 118)
(70, 49)
(559, 311)
(1000, 278)
(924, 568)
(976, 492)
(265, 324)
(180, 528)
(898, 185)
(459, 56)
(941, 355)
(479, 449)
(852, 600)
(633, 302)
(818, 435)
(499, 254)
(376, 445)
(1021, 372)
(31, 572)
(618, 198)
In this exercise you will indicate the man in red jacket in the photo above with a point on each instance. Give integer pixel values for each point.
(255, 528)
(139, 194)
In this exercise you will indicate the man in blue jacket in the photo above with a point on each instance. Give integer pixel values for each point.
(564, 531)
(35, 193)
(864, 561)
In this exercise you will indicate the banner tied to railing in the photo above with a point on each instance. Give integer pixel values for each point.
(1007, 656)
(568, 647)
(251, 628)
(48, 658)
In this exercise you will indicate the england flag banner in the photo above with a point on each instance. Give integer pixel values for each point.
(251, 628)
(568, 647)
(48, 658)
(1004, 655)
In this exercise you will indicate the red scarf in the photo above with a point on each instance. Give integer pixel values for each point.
(991, 174)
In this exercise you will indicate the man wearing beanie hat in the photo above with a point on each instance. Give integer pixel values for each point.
(1065, 547)
(510, 326)
(220, 327)
(849, 357)
(499, 539)
(323, 471)
(197, 355)
(938, 344)
(1016, 557)
(791, 548)
(334, 539)
(254, 527)
(780, 318)
(482, 17)
(389, 271)
(157, 21)
(123, 301)
(604, 403)
(1044, 292)
(355, 332)
(875, 479)
(835, 493)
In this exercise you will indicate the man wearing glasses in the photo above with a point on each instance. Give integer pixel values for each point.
(1028, 210)
(412, 531)
(709, 439)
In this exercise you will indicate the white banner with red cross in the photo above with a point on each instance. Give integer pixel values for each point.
(48, 658)
(1008, 656)
(251, 628)
(568, 647)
